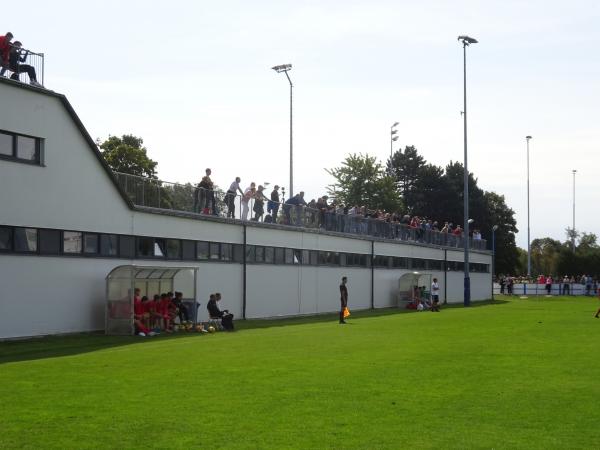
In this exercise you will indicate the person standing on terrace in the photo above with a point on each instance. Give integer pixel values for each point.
(15, 58)
(273, 204)
(230, 197)
(248, 194)
(5, 49)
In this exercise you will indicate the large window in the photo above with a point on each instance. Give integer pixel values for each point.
(202, 250)
(109, 245)
(5, 239)
(72, 241)
(90, 243)
(145, 247)
(49, 242)
(19, 147)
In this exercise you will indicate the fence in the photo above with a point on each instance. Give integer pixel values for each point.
(36, 60)
(189, 198)
(540, 289)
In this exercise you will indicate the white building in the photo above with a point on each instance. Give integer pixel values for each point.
(65, 224)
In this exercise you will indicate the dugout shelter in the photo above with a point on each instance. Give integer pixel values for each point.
(406, 288)
(122, 281)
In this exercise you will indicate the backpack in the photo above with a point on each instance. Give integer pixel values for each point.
(227, 322)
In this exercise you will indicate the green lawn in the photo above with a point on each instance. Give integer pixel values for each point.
(513, 374)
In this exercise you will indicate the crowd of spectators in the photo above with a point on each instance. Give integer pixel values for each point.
(323, 213)
(12, 57)
(564, 283)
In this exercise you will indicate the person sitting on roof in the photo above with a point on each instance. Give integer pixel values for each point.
(15, 58)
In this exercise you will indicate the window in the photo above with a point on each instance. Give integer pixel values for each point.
(49, 242)
(305, 256)
(188, 250)
(346, 259)
(259, 256)
(238, 253)
(399, 262)
(434, 264)
(417, 263)
(280, 256)
(226, 252)
(173, 249)
(108, 244)
(160, 248)
(27, 148)
(297, 256)
(6, 144)
(5, 239)
(322, 257)
(381, 261)
(314, 257)
(269, 255)
(145, 246)
(202, 250)
(250, 254)
(72, 241)
(17, 147)
(333, 258)
(214, 250)
(90, 243)
(127, 246)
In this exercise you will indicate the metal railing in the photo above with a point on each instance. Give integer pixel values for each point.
(33, 59)
(160, 194)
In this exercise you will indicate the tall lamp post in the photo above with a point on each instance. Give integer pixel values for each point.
(466, 40)
(285, 68)
(573, 239)
(393, 138)
(494, 228)
(528, 235)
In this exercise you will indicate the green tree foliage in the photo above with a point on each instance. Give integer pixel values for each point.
(127, 154)
(361, 180)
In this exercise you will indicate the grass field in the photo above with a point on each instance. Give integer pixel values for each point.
(513, 374)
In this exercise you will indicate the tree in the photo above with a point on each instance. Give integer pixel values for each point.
(404, 168)
(126, 154)
(361, 180)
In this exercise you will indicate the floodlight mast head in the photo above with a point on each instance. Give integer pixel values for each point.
(282, 68)
(466, 40)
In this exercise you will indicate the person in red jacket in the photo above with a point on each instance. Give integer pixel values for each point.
(5, 48)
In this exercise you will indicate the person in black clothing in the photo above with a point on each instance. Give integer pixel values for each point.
(273, 204)
(343, 298)
(15, 58)
(214, 312)
(182, 310)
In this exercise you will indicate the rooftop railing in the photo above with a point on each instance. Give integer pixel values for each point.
(36, 60)
(188, 198)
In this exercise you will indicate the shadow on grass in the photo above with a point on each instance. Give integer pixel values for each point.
(75, 344)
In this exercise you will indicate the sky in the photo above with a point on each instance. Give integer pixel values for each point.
(194, 80)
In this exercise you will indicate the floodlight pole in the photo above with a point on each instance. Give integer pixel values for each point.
(285, 68)
(494, 228)
(466, 40)
(573, 244)
(528, 234)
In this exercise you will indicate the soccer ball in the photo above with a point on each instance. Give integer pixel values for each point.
(211, 329)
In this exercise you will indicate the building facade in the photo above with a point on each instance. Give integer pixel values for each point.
(65, 223)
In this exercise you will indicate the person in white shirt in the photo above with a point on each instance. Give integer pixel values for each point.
(230, 197)
(248, 194)
(435, 296)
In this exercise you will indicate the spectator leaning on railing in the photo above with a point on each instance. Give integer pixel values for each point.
(15, 58)
(5, 49)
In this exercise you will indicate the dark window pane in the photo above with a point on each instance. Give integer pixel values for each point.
(399, 262)
(49, 242)
(90, 243)
(344, 259)
(238, 253)
(250, 254)
(145, 246)
(269, 255)
(109, 244)
(188, 250)
(305, 256)
(289, 256)
(214, 250)
(226, 252)
(5, 238)
(366, 260)
(173, 249)
(6, 144)
(323, 257)
(202, 251)
(434, 264)
(381, 261)
(333, 258)
(160, 248)
(297, 257)
(279, 255)
(72, 242)
(27, 148)
(260, 254)
(418, 263)
(126, 246)
(314, 257)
